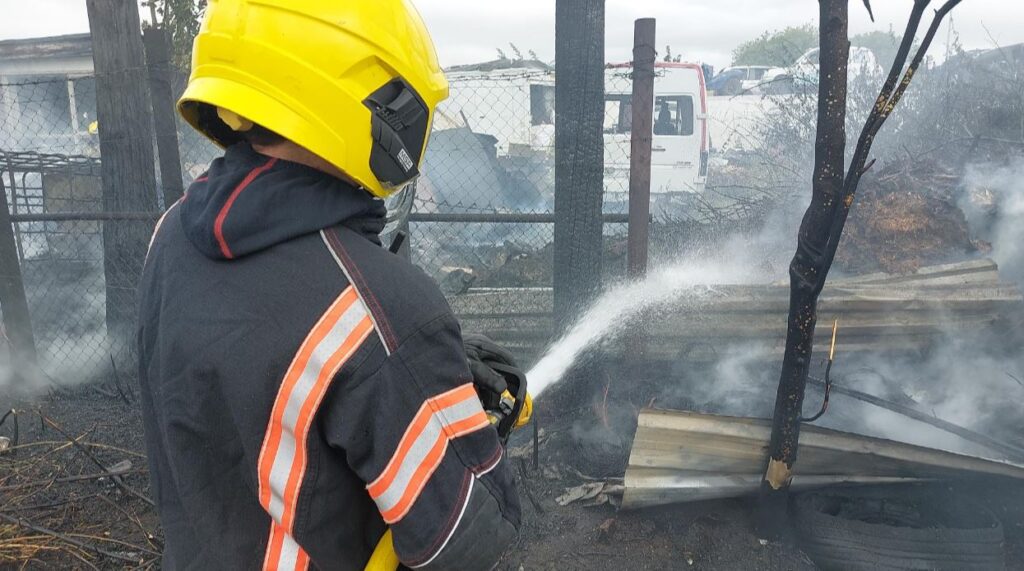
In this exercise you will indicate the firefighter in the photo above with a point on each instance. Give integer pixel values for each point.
(304, 389)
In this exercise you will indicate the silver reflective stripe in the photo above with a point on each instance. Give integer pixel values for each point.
(304, 387)
(433, 435)
(289, 554)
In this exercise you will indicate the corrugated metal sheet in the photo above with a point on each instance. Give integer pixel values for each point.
(687, 456)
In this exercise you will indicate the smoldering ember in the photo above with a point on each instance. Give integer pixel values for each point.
(280, 290)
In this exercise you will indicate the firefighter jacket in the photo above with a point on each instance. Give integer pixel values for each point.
(303, 388)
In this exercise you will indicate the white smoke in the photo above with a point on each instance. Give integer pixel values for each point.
(994, 204)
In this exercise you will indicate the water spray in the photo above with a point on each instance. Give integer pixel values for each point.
(683, 283)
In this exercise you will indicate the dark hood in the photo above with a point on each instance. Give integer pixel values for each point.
(248, 202)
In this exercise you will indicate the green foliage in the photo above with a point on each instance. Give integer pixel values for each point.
(777, 48)
(781, 47)
(883, 44)
(181, 19)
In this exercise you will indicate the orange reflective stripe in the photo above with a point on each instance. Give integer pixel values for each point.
(301, 360)
(418, 482)
(339, 333)
(356, 339)
(421, 450)
(467, 426)
(283, 553)
(416, 428)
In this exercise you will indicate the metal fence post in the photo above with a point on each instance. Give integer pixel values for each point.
(644, 54)
(642, 141)
(17, 321)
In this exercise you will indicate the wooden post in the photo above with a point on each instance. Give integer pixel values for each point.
(13, 303)
(158, 61)
(579, 155)
(644, 56)
(126, 147)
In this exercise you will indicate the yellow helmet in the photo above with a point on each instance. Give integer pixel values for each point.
(354, 81)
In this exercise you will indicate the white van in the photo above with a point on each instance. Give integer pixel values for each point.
(516, 106)
(679, 158)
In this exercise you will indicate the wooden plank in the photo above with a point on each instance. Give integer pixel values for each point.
(970, 271)
(760, 298)
(762, 326)
(875, 316)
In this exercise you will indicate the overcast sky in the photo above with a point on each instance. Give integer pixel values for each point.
(468, 31)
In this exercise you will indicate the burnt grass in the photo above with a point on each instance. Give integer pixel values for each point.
(97, 513)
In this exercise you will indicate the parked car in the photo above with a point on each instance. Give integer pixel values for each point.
(802, 76)
(738, 79)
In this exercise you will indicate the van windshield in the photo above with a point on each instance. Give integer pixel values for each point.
(673, 115)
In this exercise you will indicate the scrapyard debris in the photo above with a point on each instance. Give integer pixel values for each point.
(686, 456)
(907, 217)
(52, 493)
(1005, 448)
(592, 494)
(606, 530)
(456, 281)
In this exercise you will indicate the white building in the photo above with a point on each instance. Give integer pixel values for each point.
(47, 95)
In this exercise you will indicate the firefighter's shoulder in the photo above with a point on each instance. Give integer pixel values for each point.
(402, 297)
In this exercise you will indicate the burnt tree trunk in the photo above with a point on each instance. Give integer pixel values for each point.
(822, 229)
(579, 155)
(579, 173)
(126, 148)
(805, 271)
(161, 74)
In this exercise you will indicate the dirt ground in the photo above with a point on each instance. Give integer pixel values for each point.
(100, 514)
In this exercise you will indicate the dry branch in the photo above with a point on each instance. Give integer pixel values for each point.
(70, 540)
(114, 473)
(116, 479)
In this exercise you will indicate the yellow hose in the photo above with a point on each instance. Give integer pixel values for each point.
(384, 557)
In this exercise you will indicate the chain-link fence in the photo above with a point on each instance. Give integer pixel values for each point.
(482, 216)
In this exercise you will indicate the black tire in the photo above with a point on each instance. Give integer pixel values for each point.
(849, 533)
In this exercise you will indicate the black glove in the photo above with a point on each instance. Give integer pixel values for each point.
(480, 351)
(503, 395)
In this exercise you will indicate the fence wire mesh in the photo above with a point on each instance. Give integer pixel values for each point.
(491, 156)
(482, 214)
